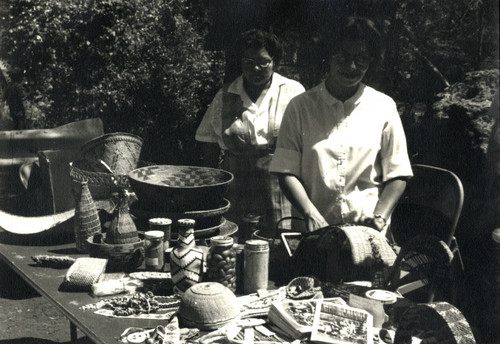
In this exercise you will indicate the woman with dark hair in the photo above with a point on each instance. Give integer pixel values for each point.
(341, 155)
(239, 129)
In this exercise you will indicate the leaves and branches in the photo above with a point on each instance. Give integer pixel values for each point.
(139, 65)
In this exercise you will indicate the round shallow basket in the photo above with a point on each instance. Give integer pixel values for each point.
(120, 151)
(204, 218)
(101, 184)
(121, 257)
(208, 306)
(179, 188)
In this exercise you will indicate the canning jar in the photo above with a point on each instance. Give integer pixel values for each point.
(221, 262)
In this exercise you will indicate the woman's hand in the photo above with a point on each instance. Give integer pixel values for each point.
(376, 222)
(391, 192)
(296, 194)
(314, 220)
(239, 130)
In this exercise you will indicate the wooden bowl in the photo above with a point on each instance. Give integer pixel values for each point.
(179, 188)
(208, 306)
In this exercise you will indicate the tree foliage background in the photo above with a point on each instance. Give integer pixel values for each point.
(152, 67)
(138, 65)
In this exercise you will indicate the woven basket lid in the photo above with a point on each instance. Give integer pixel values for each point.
(208, 306)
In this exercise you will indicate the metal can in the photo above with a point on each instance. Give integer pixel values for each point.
(256, 265)
(154, 250)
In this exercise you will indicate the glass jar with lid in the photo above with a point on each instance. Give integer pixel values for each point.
(221, 262)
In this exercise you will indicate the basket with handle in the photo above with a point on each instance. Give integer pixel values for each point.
(363, 250)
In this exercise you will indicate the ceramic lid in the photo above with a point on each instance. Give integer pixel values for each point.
(154, 234)
(186, 222)
(256, 245)
(221, 241)
(160, 221)
(382, 295)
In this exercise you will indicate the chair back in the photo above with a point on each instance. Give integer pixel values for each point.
(431, 204)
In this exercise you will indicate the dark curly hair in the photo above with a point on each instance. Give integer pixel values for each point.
(258, 39)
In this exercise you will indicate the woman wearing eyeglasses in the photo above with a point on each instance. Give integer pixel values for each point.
(341, 154)
(239, 129)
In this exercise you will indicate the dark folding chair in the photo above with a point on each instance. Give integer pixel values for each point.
(424, 220)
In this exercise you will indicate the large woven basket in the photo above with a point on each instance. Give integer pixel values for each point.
(120, 151)
(180, 188)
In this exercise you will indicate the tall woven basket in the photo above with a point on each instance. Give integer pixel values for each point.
(87, 221)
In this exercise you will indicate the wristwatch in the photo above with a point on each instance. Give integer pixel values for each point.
(378, 216)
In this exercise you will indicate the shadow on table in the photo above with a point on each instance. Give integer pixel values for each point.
(14, 287)
(30, 340)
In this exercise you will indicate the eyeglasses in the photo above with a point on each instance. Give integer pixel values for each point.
(251, 63)
(362, 61)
